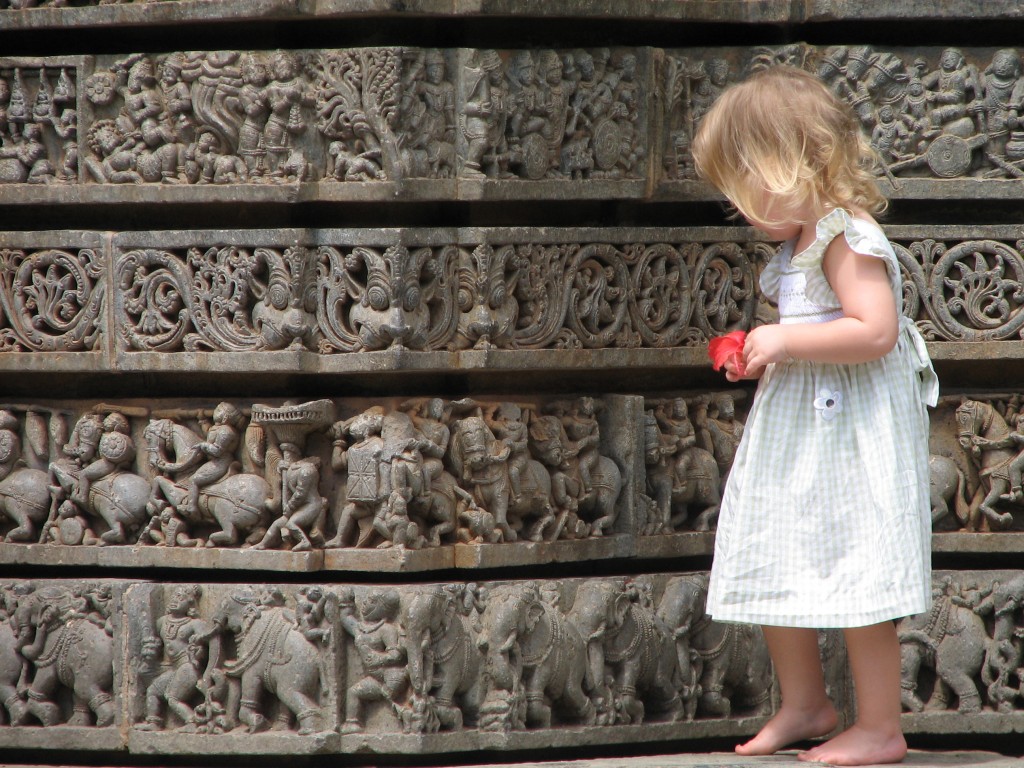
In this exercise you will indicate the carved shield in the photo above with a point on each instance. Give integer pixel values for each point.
(363, 475)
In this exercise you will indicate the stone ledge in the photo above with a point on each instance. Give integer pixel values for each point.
(468, 557)
(763, 12)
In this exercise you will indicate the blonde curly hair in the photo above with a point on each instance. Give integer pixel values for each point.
(781, 138)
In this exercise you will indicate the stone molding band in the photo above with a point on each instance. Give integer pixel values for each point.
(427, 124)
(447, 667)
(306, 299)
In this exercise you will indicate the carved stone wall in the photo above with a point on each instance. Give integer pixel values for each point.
(342, 369)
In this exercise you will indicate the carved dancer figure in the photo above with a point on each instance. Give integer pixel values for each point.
(177, 658)
(378, 642)
(303, 509)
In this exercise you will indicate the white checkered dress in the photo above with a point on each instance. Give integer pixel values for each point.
(826, 518)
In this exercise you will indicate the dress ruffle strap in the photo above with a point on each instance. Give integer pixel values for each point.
(928, 380)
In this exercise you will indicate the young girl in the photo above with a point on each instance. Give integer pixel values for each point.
(825, 521)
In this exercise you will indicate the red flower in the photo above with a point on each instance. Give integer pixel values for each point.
(728, 347)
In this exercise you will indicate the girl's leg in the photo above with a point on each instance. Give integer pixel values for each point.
(875, 737)
(806, 711)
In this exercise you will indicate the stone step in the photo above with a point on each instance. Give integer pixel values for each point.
(787, 759)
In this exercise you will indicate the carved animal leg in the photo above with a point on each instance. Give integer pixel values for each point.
(25, 530)
(998, 520)
(80, 714)
(962, 685)
(580, 704)
(39, 705)
(226, 537)
(306, 711)
(15, 707)
(706, 519)
(248, 710)
(115, 535)
(713, 703)
(92, 693)
(940, 697)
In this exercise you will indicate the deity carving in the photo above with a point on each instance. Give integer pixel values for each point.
(38, 126)
(551, 115)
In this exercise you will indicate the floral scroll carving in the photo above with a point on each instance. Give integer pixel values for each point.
(335, 299)
(52, 300)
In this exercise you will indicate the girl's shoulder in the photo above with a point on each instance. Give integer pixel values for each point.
(860, 233)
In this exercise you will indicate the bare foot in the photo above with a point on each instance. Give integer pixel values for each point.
(790, 726)
(859, 746)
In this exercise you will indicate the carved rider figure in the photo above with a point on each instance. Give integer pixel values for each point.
(10, 443)
(508, 425)
(221, 442)
(116, 454)
(677, 432)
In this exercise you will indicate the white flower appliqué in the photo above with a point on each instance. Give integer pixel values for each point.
(829, 404)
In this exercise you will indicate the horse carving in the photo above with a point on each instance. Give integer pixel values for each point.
(989, 443)
(238, 503)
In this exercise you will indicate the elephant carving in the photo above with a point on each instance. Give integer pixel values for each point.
(536, 662)
(729, 663)
(12, 664)
(445, 663)
(272, 656)
(1003, 652)
(68, 648)
(627, 642)
(952, 639)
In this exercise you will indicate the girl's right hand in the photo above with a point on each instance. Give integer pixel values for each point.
(733, 374)
(765, 344)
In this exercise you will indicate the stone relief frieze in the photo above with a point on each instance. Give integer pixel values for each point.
(931, 113)
(669, 289)
(38, 121)
(212, 660)
(387, 114)
(456, 657)
(428, 472)
(61, 653)
(334, 299)
(425, 472)
(964, 655)
(964, 291)
(361, 115)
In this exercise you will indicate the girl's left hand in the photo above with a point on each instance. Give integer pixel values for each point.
(766, 344)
